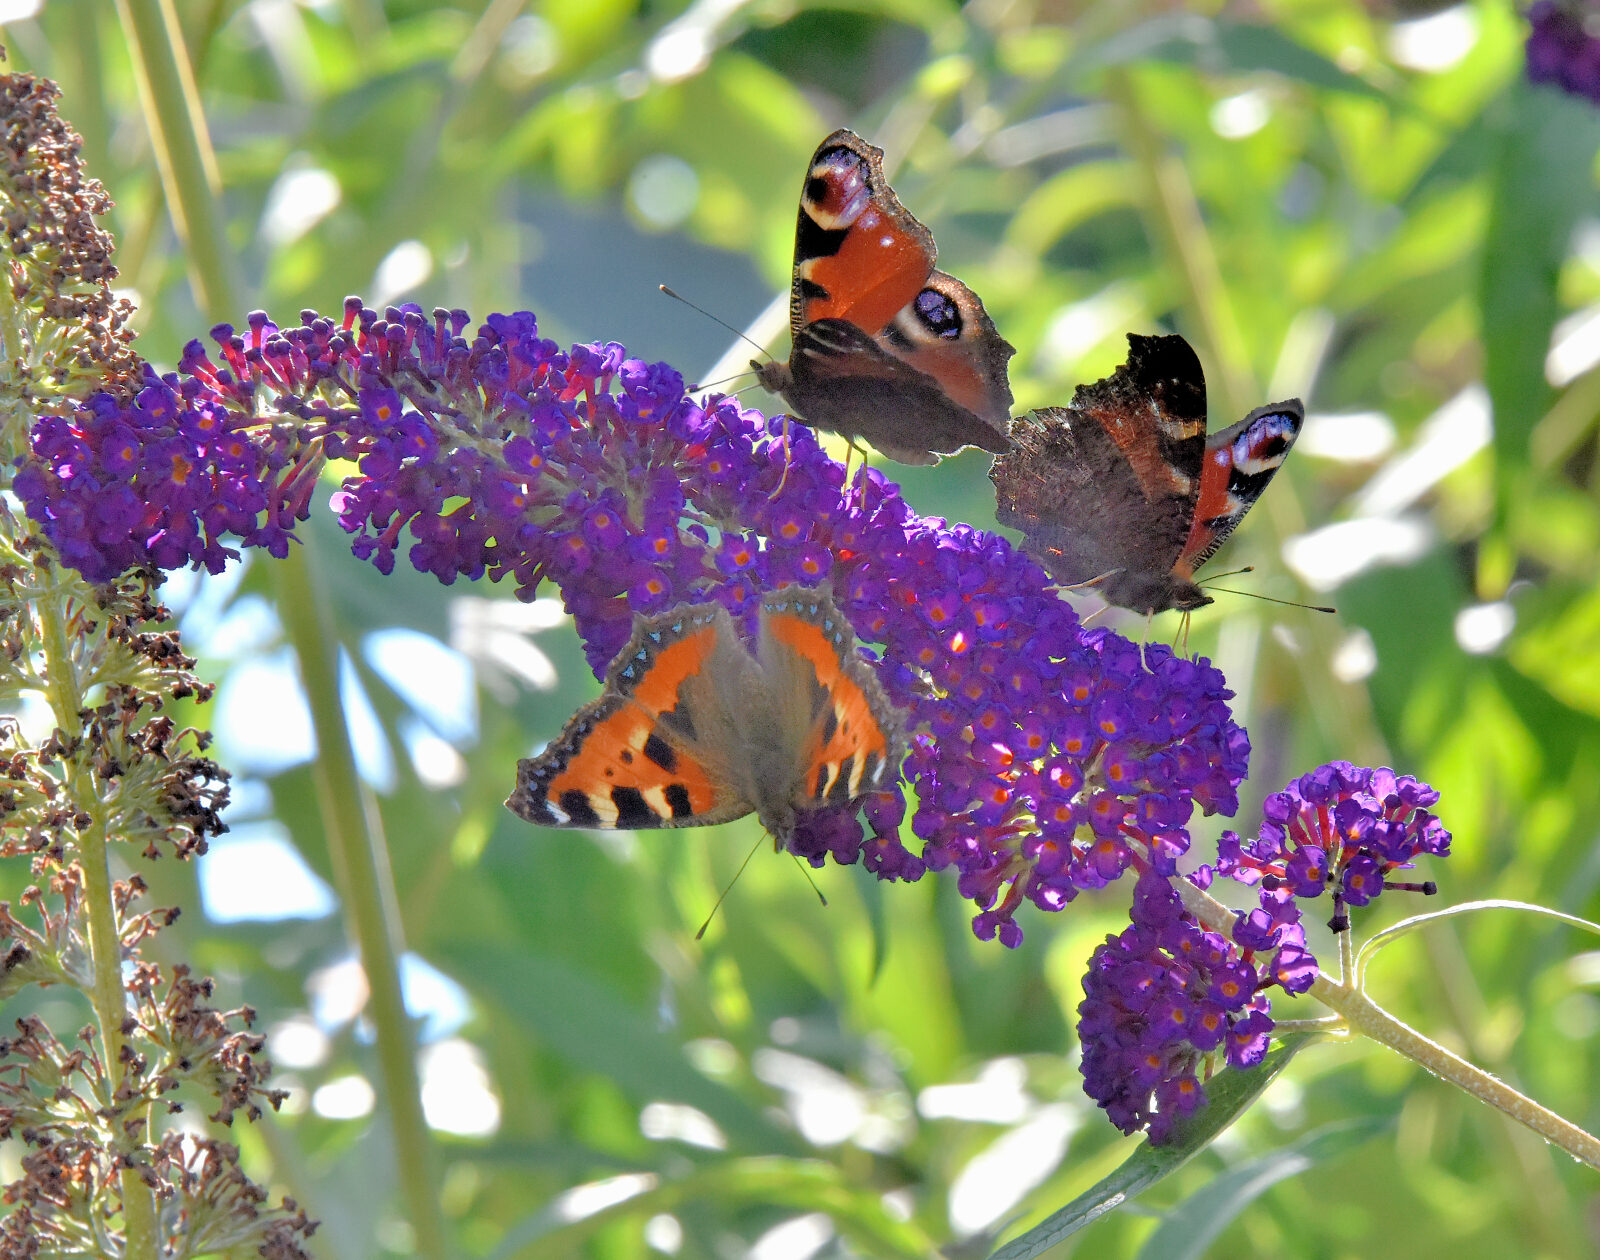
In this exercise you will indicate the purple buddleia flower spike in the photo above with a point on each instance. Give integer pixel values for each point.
(1564, 46)
(1343, 830)
(1046, 759)
(1164, 1001)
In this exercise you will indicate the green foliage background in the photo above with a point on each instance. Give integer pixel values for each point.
(1275, 181)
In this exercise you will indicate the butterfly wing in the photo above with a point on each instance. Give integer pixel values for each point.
(844, 736)
(945, 333)
(864, 262)
(841, 379)
(1239, 462)
(1153, 411)
(1105, 490)
(859, 255)
(655, 749)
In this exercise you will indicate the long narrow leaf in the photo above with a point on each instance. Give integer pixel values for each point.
(1192, 1226)
(1229, 1094)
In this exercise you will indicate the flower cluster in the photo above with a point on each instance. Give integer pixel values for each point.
(160, 479)
(1046, 759)
(1340, 827)
(1564, 46)
(1162, 1000)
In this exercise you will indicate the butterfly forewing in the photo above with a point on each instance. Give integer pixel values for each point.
(1153, 408)
(1240, 461)
(859, 254)
(648, 752)
(853, 739)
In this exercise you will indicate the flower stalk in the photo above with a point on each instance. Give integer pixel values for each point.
(105, 939)
(1365, 1016)
(102, 1174)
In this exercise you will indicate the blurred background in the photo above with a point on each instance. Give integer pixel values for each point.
(1365, 205)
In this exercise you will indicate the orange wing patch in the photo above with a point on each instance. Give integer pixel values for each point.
(849, 749)
(859, 254)
(621, 761)
(877, 271)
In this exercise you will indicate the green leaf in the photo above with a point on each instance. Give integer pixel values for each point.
(1192, 1226)
(1543, 181)
(1228, 1094)
(807, 1185)
(1220, 47)
(586, 1023)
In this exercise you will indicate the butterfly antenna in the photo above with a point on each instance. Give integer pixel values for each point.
(1249, 568)
(1291, 603)
(806, 871)
(724, 893)
(715, 319)
(695, 389)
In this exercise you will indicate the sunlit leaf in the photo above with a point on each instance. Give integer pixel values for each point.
(1190, 1228)
(1227, 1095)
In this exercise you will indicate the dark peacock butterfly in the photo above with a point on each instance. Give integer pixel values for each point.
(1125, 492)
(886, 348)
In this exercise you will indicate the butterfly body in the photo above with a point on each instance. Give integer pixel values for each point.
(1124, 490)
(694, 729)
(886, 348)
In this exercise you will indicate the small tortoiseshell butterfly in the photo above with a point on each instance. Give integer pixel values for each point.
(1124, 491)
(885, 348)
(692, 729)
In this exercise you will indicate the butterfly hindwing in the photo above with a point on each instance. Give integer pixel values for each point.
(1064, 484)
(945, 333)
(641, 756)
(866, 392)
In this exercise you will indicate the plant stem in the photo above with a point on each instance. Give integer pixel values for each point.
(1174, 221)
(366, 885)
(189, 175)
(141, 1236)
(1179, 237)
(182, 146)
(1365, 1016)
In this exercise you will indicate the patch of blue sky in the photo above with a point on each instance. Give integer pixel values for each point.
(254, 874)
(435, 680)
(263, 723)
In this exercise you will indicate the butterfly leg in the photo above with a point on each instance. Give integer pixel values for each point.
(1180, 640)
(784, 478)
(861, 475)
